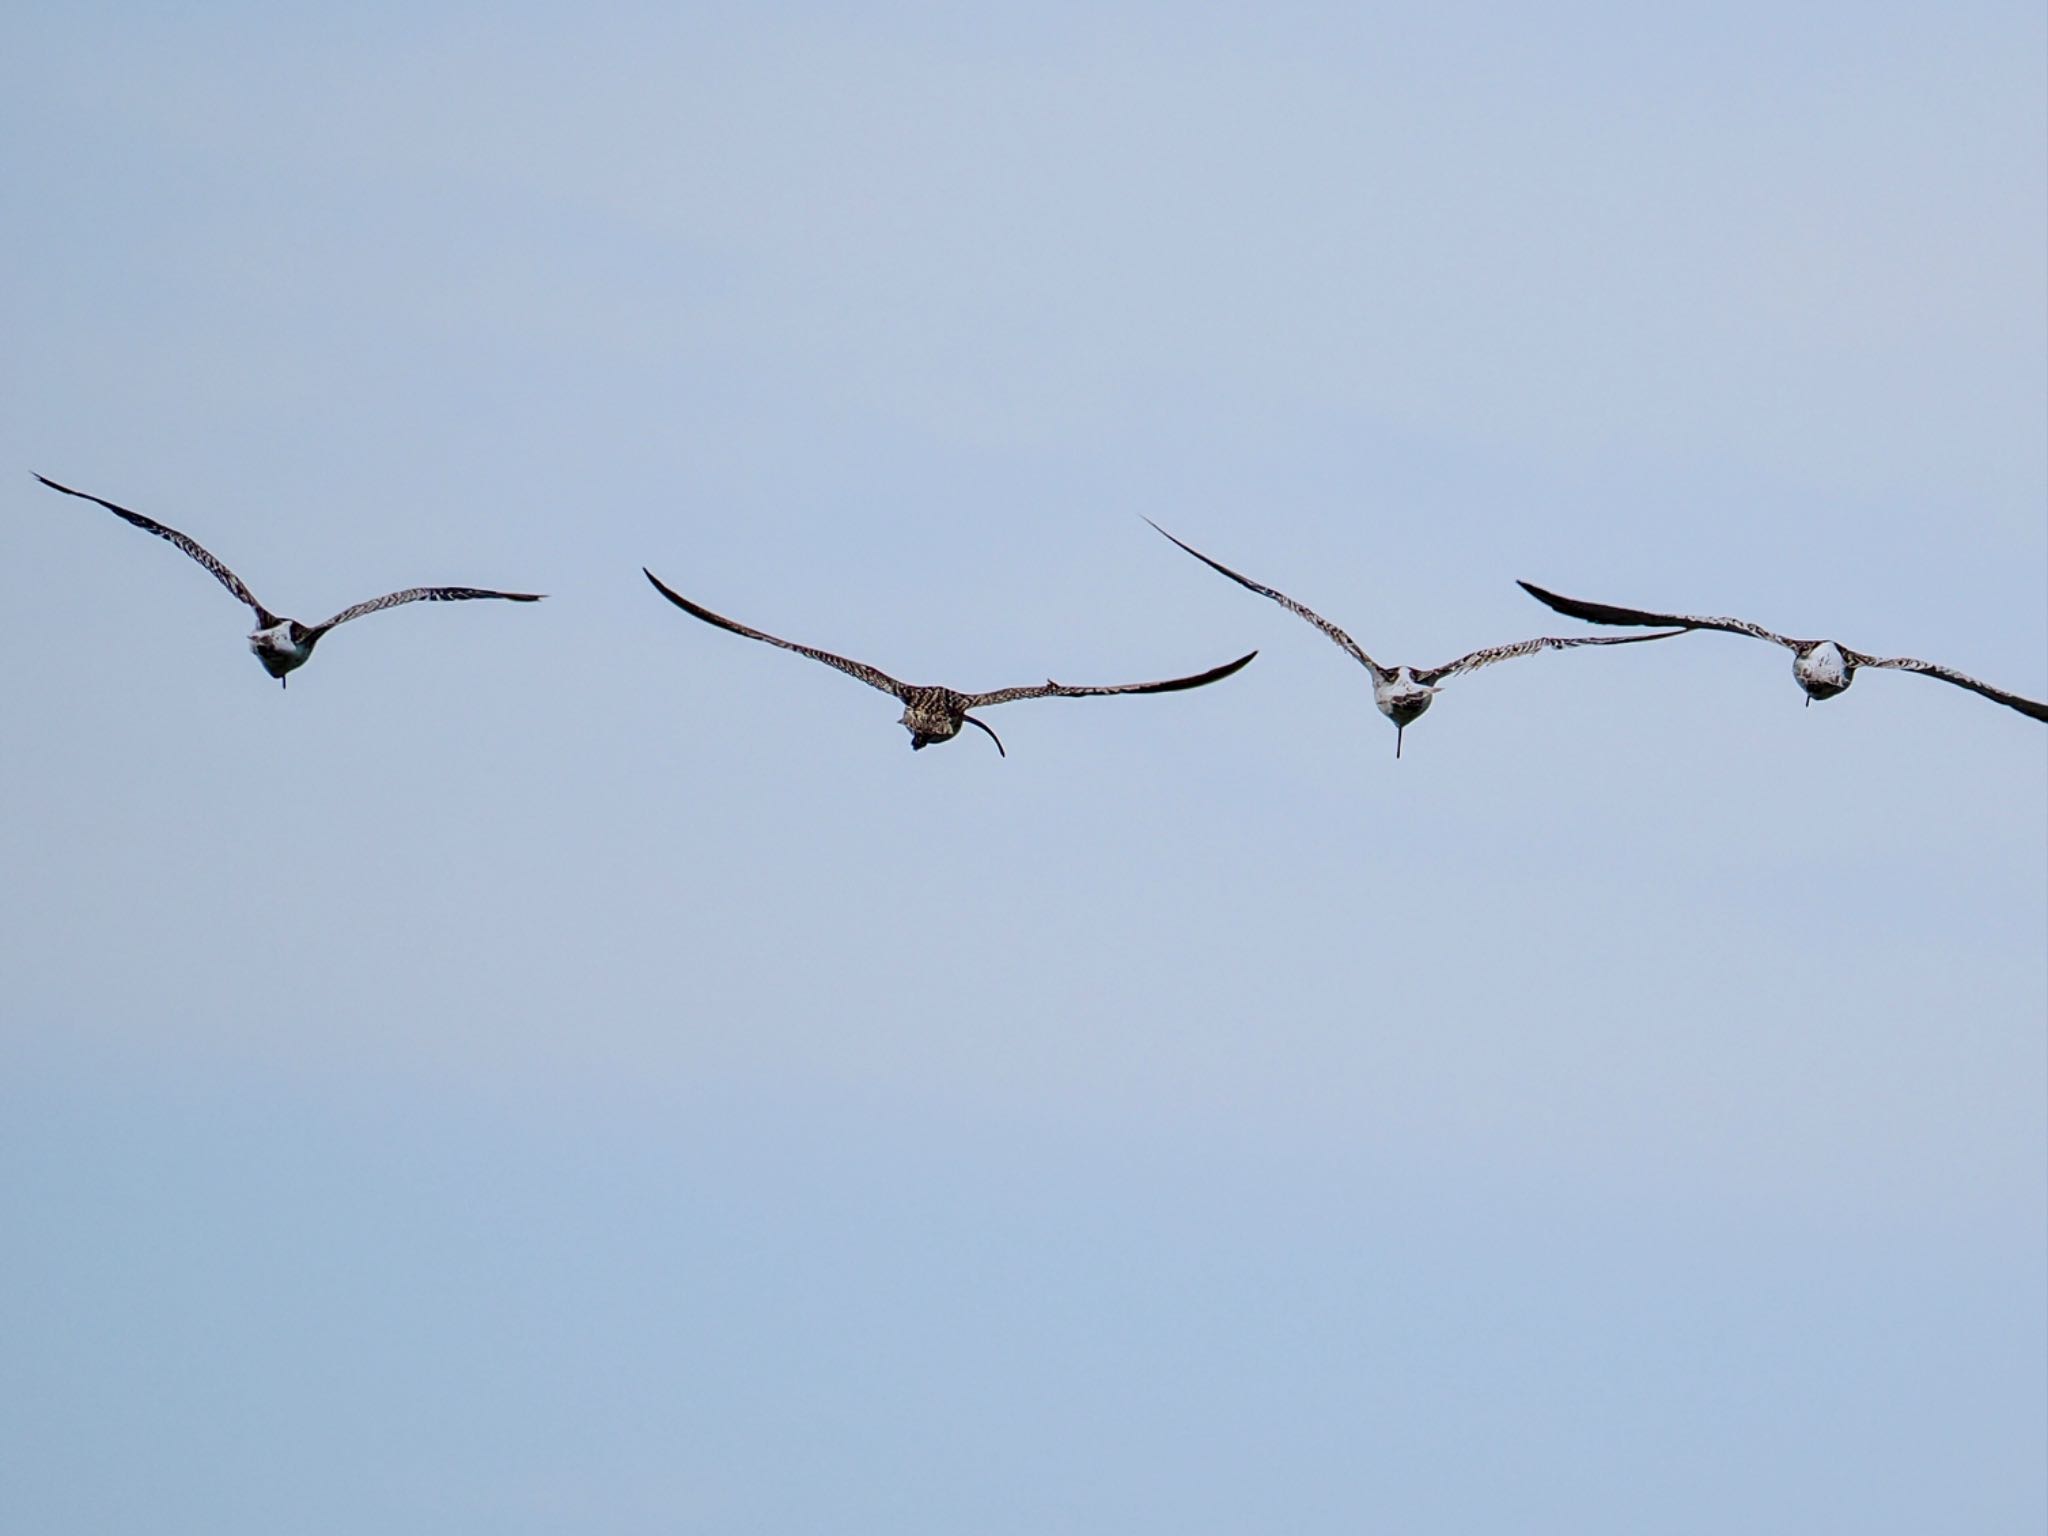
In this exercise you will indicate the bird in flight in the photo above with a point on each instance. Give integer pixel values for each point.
(283, 645)
(1822, 668)
(932, 713)
(1403, 693)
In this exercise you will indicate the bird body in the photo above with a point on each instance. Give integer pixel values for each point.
(932, 714)
(283, 645)
(1823, 669)
(1402, 698)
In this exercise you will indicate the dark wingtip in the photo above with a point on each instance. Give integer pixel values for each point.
(1171, 539)
(1201, 679)
(1178, 543)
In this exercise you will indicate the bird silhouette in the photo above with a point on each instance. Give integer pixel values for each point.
(1404, 693)
(1823, 668)
(933, 713)
(283, 645)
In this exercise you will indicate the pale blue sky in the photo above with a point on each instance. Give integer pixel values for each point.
(567, 1068)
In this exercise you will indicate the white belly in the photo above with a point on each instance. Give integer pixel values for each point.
(277, 650)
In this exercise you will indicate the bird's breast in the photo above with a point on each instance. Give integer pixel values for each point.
(930, 712)
(1403, 699)
(277, 650)
(1823, 671)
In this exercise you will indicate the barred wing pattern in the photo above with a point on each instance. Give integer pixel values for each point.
(1052, 690)
(874, 677)
(2029, 707)
(1604, 613)
(421, 595)
(221, 573)
(1300, 610)
(1493, 653)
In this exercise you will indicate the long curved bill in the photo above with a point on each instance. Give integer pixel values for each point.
(992, 736)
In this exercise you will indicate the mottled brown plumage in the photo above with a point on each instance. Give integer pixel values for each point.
(933, 713)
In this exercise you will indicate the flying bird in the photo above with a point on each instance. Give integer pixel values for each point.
(1822, 668)
(932, 713)
(1403, 693)
(281, 644)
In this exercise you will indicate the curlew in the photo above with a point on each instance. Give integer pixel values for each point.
(1823, 668)
(932, 713)
(1404, 693)
(283, 645)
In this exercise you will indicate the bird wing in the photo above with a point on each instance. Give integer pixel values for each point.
(2029, 707)
(874, 677)
(1493, 653)
(1300, 610)
(1052, 690)
(421, 595)
(221, 573)
(1603, 613)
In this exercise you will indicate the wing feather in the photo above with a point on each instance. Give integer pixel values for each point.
(1052, 690)
(422, 595)
(1493, 653)
(2031, 708)
(1299, 610)
(874, 677)
(192, 547)
(1605, 613)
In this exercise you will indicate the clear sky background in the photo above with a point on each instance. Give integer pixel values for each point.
(565, 1068)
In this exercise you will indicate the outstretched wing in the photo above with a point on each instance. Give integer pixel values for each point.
(874, 677)
(2029, 707)
(1298, 609)
(421, 595)
(1493, 653)
(221, 573)
(1604, 613)
(1052, 690)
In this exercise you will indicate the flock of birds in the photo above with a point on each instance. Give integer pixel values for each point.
(934, 713)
